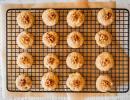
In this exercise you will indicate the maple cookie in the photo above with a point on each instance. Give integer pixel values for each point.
(23, 82)
(104, 83)
(75, 82)
(75, 39)
(25, 40)
(75, 18)
(103, 38)
(25, 19)
(50, 39)
(50, 17)
(49, 81)
(51, 61)
(74, 60)
(104, 61)
(106, 16)
(24, 60)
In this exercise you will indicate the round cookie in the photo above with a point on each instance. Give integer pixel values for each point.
(51, 61)
(74, 60)
(50, 17)
(50, 39)
(75, 82)
(49, 81)
(25, 19)
(104, 61)
(24, 60)
(23, 82)
(25, 40)
(104, 83)
(103, 38)
(106, 16)
(75, 39)
(75, 18)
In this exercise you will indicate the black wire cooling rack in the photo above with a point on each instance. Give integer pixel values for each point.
(90, 50)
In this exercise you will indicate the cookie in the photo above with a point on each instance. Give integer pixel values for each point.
(75, 82)
(25, 40)
(50, 17)
(49, 81)
(25, 19)
(74, 60)
(104, 61)
(24, 60)
(103, 38)
(75, 39)
(106, 16)
(23, 82)
(51, 61)
(75, 18)
(104, 83)
(50, 39)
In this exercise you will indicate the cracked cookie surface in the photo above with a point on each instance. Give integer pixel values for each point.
(75, 39)
(74, 60)
(50, 17)
(50, 39)
(24, 60)
(103, 38)
(23, 82)
(51, 61)
(49, 81)
(25, 19)
(106, 16)
(104, 83)
(104, 61)
(75, 82)
(75, 18)
(25, 40)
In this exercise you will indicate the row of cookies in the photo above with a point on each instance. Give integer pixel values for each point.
(50, 82)
(75, 82)
(104, 61)
(50, 17)
(74, 39)
(75, 18)
(74, 60)
(50, 39)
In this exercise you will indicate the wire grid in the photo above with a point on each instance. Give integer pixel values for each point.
(90, 50)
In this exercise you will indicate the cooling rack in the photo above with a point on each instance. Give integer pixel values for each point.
(90, 50)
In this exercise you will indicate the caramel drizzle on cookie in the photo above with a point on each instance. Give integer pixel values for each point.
(50, 38)
(76, 83)
(103, 37)
(106, 83)
(25, 19)
(49, 82)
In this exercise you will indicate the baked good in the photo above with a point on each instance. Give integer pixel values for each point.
(49, 81)
(104, 61)
(103, 38)
(75, 82)
(25, 19)
(25, 40)
(74, 60)
(51, 61)
(50, 17)
(104, 83)
(50, 39)
(23, 82)
(24, 60)
(106, 16)
(75, 39)
(75, 18)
